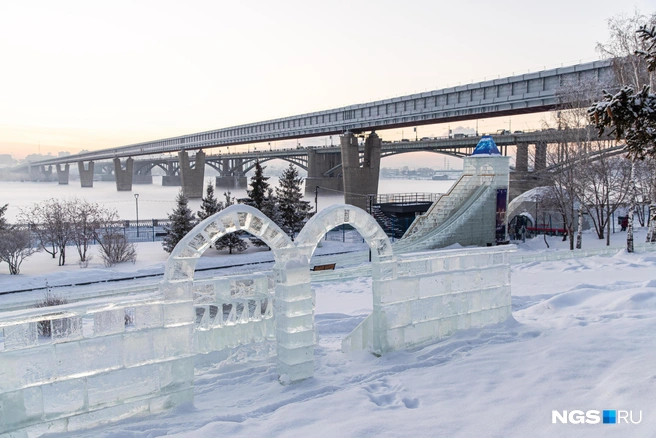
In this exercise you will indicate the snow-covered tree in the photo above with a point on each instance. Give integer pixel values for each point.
(231, 241)
(182, 221)
(294, 211)
(631, 116)
(87, 218)
(52, 223)
(647, 35)
(15, 246)
(259, 187)
(210, 205)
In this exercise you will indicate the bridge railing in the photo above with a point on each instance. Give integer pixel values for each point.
(407, 197)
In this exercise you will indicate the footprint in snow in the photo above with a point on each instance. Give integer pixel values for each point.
(383, 395)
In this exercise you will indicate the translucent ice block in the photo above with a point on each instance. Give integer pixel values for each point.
(108, 322)
(20, 336)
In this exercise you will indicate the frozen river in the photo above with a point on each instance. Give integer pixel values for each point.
(156, 201)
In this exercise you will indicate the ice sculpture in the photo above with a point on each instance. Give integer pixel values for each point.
(106, 359)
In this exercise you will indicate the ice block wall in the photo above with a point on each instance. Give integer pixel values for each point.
(428, 296)
(94, 362)
(234, 311)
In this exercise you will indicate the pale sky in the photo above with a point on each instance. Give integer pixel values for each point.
(89, 74)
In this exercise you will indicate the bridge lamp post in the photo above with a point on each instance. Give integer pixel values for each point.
(136, 201)
(269, 146)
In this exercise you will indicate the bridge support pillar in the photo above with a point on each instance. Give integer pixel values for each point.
(86, 174)
(232, 174)
(192, 178)
(540, 156)
(232, 182)
(142, 178)
(521, 158)
(318, 164)
(62, 174)
(171, 178)
(46, 171)
(360, 182)
(123, 176)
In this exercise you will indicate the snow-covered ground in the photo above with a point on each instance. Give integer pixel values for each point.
(582, 336)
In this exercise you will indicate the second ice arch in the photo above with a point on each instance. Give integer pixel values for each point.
(336, 215)
(367, 334)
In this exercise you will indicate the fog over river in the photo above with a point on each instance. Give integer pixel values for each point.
(156, 201)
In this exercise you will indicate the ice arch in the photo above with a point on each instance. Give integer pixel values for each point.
(367, 335)
(336, 215)
(182, 261)
(294, 302)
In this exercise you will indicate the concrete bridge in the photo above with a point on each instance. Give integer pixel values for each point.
(324, 165)
(528, 93)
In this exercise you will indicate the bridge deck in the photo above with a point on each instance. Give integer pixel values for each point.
(532, 92)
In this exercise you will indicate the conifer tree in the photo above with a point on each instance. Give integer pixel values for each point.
(210, 205)
(270, 210)
(270, 207)
(259, 187)
(631, 115)
(231, 241)
(293, 209)
(182, 221)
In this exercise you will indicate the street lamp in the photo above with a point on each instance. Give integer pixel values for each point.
(136, 201)
(269, 146)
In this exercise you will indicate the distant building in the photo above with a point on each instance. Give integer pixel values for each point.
(63, 154)
(6, 160)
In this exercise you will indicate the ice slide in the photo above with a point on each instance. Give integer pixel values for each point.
(467, 213)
